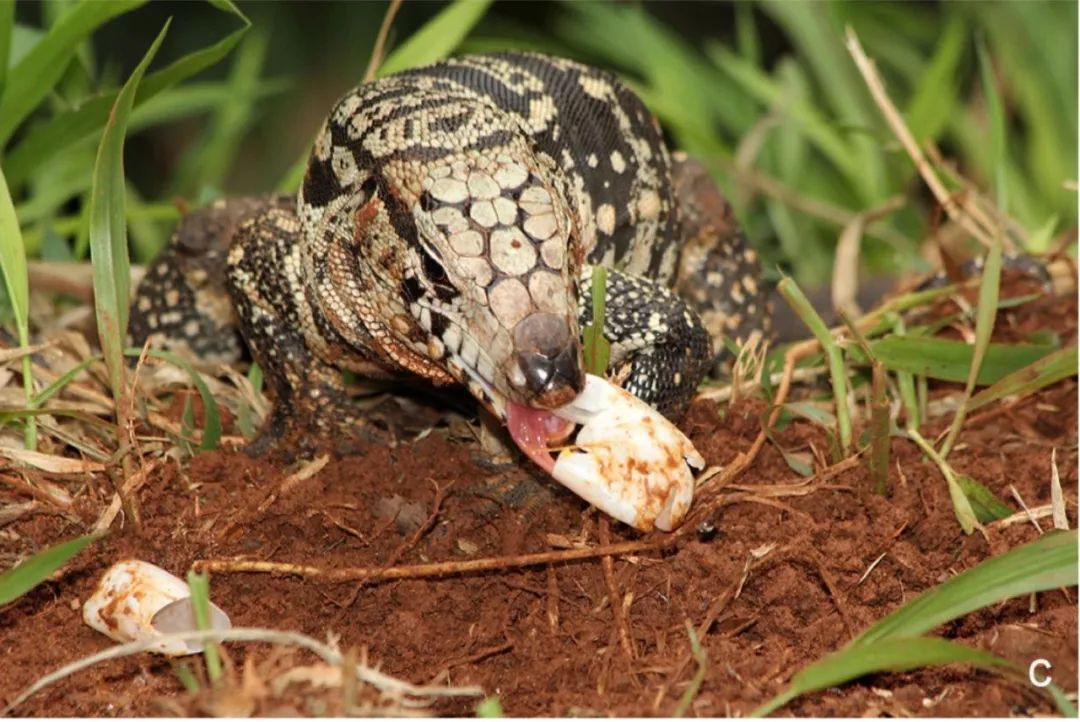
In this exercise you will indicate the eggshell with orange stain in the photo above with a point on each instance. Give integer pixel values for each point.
(136, 600)
(627, 459)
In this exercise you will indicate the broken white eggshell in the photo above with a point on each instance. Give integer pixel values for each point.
(137, 601)
(627, 460)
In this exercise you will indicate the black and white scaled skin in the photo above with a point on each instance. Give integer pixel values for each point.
(447, 227)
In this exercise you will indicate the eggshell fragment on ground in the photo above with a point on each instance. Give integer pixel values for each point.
(136, 601)
(627, 460)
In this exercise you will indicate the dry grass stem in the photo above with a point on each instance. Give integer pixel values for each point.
(411, 694)
(1024, 506)
(1057, 499)
(845, 276)
(899, 127)
(378, 52)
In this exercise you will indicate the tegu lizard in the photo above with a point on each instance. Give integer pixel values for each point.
(446, 228)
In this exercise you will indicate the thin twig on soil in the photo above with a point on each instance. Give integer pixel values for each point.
(479, 655)
(425, 571)
(399, 552)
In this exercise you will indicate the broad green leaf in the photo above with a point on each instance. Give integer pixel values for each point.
(949, 360)
(810, 411)
(1049, 369)
(437, 38)
(19, 580)
(986, 506)
(108, 228)
(51, 137)
(891, 655)
(1049, 562)
(36, 74)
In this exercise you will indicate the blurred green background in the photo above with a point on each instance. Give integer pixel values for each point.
(763, 92)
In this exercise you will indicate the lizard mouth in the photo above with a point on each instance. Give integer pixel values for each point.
(534, 430)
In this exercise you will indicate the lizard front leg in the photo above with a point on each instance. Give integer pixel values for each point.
(264, 281)
(660, 351)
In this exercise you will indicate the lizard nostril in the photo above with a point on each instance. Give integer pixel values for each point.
(549, 358)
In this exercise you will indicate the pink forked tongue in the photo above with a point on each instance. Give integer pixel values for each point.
(531, 430)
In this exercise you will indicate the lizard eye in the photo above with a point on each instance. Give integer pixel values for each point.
(436, 275)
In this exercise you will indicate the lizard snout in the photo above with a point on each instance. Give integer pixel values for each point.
(549, 359)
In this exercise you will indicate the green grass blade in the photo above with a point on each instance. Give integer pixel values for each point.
(769, 92)
(815, 30)
(1049, 562)
(47, 139)
(61, 381)
(437, 38)
(35, 75)
(996, 113)
(1049, 369)
(948, 360)
(19, 580)
(985, 315)
(7, 26)
(108, 228)
(195, 98)
(837, 372)
(200, 607)
(984, 504)
(597, 350)
(892, 655)
(207, 165)
(935, 92)
(13, 266)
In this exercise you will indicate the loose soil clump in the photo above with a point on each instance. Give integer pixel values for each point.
(793, 570)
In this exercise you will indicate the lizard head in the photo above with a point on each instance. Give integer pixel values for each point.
(456, 270)
(492, 278)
